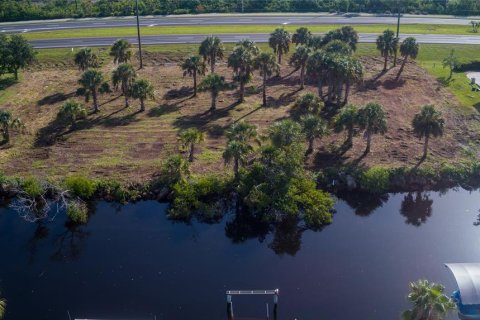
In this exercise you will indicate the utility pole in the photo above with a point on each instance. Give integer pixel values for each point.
(398, 33)
(139, 39)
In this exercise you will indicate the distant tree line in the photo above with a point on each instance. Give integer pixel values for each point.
(13, 10)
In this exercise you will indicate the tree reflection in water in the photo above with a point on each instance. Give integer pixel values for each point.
(416, 208)
(363, 203)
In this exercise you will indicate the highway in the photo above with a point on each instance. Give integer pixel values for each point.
(212, 19)
(172, 39)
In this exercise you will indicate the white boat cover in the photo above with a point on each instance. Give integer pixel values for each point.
(467, 276)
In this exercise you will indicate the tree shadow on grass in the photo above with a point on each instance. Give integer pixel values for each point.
(55, 98)
(5, 83)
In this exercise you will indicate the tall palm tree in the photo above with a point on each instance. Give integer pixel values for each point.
(142, 90)
(91, 81)
(120, 51)
(237, 151)
(212, 50)
(189, 138)
(373, 120)
(428, 122)
(124, 76)
(280, 42)
(240, 60)
(302, 36)
(213, 83)
(429, 302)
(265, 63)
(387, 44)
(7, 122)
(193, 66)
(347, 119)
(242, 131)
(408, 49)
(85, 58)
(3, 307)
(299, 61)
(313, 127)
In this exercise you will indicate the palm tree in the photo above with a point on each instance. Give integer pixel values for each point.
(428, 122)
(450, 61)
(429, 302)
(193, 66)
(189, 138)
(124, 76)
(86, 59)
(7, 122)
(213, 83)
(373, 120)
(240, 60)
(299, 61)
(280, 42)
(237, 152)
(212, 50)
(387, 44)
(3, 307)
(71, 111)
(266, 64)
(302, 36)
(313, 126)
(242, 131)
(120, 51)
(408, 49)
(142, 90)
(91, 81)
(347, 119)
(309, 103)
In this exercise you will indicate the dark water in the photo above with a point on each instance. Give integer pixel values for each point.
(132, 262)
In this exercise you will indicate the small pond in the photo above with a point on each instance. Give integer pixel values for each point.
(132, 262)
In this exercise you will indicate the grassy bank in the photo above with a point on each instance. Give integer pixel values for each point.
(168, 30)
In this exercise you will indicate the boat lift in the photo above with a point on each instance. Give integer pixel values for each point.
(273, 293)
(467, 297)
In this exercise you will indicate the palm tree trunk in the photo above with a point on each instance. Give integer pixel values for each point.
(401, 68)
(310, 145)
(385, 63)
(142, 105)
(264, 90)
(95, 100)
(350, 137)
(212, 63)
(302, 77)
(347, 92)
(214, 102)
(236, 166)
(425, 147)
(369, 142)
(194, 83)
(242, 91)
(192, 151)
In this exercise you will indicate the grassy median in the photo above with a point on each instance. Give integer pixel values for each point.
(155, 30)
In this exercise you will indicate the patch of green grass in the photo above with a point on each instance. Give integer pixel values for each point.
(319, 28)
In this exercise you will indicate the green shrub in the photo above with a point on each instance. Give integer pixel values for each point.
(32, 187)
(375, 180)
(77, 212)
(81, 186)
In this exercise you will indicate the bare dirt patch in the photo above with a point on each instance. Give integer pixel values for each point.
(124, 143)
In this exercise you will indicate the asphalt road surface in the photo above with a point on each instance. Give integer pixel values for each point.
(151, 21)
(171, 39)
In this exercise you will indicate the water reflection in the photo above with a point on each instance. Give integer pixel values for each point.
(416, 208)
(364, 203)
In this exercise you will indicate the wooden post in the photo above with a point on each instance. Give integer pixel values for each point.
(229, 307)
(275, 304)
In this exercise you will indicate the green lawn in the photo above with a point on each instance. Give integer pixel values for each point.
(121, 32)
